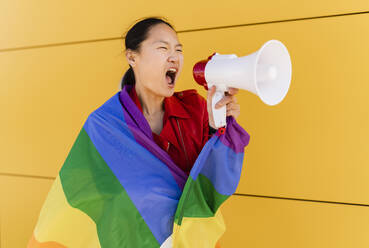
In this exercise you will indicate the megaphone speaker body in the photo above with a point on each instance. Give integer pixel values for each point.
(266, 73)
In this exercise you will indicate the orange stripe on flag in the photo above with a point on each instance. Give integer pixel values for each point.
(218, 245)
(33, 243)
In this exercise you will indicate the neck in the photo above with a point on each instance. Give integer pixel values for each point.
(151, 103)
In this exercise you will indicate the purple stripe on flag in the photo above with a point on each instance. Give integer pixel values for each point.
(141, 130)
(235, 136)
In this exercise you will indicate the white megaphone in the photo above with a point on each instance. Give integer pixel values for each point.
(266, 73)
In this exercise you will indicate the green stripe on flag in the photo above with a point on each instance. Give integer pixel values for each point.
(199, 199)
(90, 185)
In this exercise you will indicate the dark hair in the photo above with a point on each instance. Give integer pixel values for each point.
(133, 39)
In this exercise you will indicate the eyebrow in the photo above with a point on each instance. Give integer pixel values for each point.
(163, 41)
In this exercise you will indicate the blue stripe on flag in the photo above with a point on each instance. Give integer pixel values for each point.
(146, 179)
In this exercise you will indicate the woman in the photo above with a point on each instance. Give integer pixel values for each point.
(143, 171)
(155, 58)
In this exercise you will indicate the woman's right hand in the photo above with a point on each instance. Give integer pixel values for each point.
(233, 108)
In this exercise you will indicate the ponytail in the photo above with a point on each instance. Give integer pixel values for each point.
(128, 78)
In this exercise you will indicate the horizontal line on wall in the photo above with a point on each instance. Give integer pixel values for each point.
(300, 199)
(183, 31)
(236, 194)
(272, 22)
(57, 44)
(26, 176)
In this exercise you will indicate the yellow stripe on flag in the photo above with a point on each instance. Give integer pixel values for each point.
(59, 222)
(199, 232)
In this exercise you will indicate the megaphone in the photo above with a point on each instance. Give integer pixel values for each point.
(266, 73)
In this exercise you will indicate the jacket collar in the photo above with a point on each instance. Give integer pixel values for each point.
(173, 107)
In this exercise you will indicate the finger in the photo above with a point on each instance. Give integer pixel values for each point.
(211, 91)
(233, 109)
(233, 106)
(234, 99)
(234, 113)
(225, 100)
(232, 91)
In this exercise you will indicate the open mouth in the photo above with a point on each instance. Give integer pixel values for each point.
(171, 76)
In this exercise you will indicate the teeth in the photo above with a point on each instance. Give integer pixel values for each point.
(172, 69)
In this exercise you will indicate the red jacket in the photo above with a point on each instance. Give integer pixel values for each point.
(185, 126)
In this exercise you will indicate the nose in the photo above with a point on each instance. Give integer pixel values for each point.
(173, 57)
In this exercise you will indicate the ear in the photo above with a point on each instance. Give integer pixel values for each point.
(131, 57)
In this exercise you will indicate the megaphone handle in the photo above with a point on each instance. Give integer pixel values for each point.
(219, 115)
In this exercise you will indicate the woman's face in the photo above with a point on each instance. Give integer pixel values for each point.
(158, 54)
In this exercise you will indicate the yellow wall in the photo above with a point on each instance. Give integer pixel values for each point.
(304, 181)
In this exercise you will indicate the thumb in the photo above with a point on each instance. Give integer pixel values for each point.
(211, 92)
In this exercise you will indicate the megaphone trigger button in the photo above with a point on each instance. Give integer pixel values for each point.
(222, 130)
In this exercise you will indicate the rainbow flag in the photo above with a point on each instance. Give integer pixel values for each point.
(117, 188)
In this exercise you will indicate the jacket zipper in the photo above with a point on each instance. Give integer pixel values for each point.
(184, 148)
